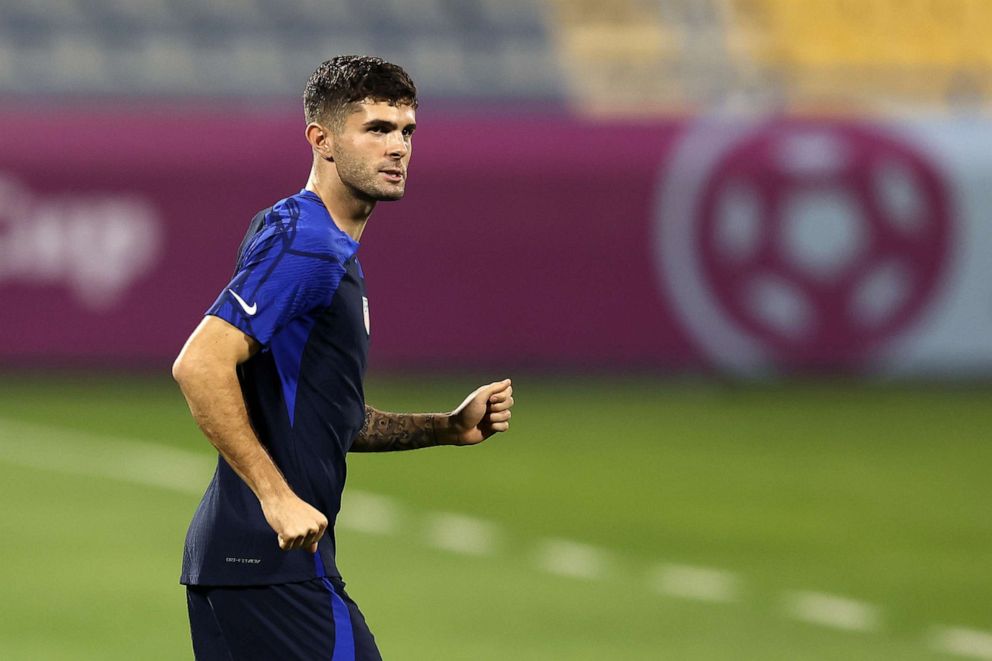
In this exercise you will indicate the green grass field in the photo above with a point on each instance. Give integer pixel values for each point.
(878, 495)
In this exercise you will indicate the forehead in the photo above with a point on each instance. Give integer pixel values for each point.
(368, 110)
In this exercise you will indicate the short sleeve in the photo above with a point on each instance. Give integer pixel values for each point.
(275, 284)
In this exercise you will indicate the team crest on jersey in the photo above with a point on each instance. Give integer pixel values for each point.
(365, 313)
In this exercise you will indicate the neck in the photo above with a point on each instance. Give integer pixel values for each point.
(348, 212)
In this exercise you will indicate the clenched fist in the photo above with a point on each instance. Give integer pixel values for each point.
(297, 524)
(486, 411)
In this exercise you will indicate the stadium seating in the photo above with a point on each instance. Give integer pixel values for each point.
(878, 54)
(623, 56)
(477, 49)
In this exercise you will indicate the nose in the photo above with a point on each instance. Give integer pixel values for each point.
(396, 146)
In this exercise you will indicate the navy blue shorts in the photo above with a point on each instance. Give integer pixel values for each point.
(311, 620)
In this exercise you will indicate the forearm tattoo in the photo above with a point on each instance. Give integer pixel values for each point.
(389, 432)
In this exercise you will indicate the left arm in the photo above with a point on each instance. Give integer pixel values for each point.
(483, 413)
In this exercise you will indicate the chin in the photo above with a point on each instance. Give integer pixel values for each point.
(390, 195)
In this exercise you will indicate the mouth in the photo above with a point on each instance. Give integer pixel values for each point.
(394, 175)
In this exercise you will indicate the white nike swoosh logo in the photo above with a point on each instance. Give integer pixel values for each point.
(250, 310)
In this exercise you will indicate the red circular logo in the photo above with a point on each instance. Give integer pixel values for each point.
(820, 240)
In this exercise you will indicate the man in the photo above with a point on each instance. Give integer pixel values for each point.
(273, 376)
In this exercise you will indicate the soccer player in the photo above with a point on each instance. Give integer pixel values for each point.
(273, 377)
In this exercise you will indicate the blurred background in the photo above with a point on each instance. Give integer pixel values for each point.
(735, 254)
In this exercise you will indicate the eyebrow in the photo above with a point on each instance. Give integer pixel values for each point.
(386, 124)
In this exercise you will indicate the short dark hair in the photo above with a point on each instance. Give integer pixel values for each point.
(347, 79)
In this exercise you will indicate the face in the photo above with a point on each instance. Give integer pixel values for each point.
(372, 148)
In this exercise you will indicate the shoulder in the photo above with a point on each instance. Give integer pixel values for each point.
(300, 225)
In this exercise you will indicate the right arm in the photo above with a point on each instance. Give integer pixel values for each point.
(206, 371)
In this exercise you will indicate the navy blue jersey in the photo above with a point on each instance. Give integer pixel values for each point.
(299, 291)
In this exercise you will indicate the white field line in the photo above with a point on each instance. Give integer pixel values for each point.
(95, 455)
(567, 558)
(461, 534)
(832, 611)
(369, 513)
(698, 583)
(959, 641)
(144, 463)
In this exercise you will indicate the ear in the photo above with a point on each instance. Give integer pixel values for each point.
(321, 140)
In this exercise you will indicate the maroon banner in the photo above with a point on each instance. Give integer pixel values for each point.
(520, 242)
(536, 241)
